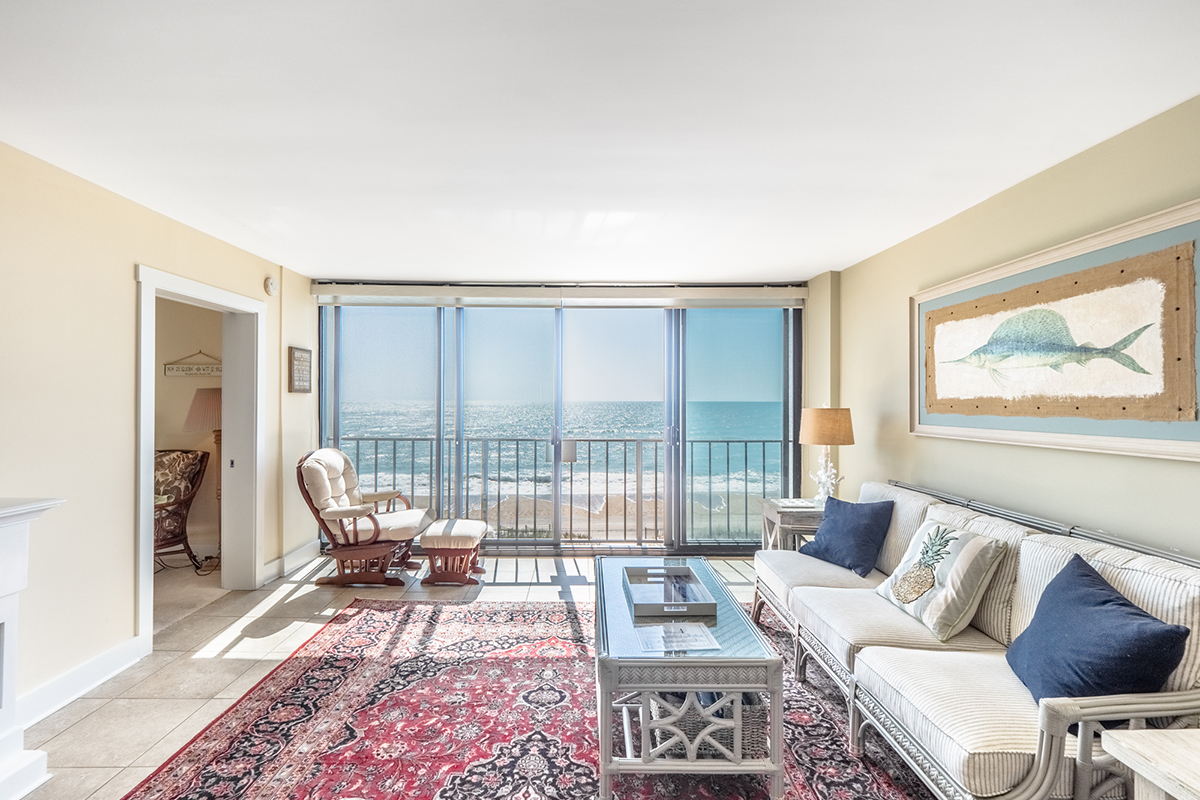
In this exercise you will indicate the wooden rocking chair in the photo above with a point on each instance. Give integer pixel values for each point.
(366, 541)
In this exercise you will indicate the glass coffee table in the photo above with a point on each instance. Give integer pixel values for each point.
(691, 711)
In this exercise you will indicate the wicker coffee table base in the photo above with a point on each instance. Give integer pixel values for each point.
(661, 734)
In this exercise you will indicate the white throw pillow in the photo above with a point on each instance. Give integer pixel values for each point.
(942, 577)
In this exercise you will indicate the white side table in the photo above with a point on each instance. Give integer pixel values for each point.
(1165, 763)
(785, 524)
(21, 770)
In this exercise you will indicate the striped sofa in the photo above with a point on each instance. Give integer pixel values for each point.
(955, 710)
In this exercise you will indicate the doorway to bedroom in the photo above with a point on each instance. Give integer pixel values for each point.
(187, 462)
(223, 421)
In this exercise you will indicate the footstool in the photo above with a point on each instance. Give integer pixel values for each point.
(453, 549)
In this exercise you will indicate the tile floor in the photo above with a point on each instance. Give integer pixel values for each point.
(105, 743)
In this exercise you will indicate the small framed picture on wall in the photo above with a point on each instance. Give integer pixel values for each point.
(299, 369)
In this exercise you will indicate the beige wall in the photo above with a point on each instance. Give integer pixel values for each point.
(821, 381)
(297, 412)
(1153, 166)
(68, 335)
(180, 330)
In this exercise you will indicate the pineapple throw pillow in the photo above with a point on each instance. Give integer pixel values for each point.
(943, 576)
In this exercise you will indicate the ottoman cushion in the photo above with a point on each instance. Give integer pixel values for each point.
(453, 534)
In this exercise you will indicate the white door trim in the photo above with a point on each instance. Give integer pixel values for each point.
(243, 434)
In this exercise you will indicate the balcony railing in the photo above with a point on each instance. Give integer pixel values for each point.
(613, 494)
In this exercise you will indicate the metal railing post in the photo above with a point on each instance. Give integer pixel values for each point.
(556, 432)
(483, 490)
(460, 372)
(439, 424)
(638, 491)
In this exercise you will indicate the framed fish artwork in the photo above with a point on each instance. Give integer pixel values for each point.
(1090, 345)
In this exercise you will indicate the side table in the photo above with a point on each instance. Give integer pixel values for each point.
(1165, 763)
(785, 524)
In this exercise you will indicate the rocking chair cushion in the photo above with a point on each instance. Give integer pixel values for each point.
(396, 526)
(330, 480)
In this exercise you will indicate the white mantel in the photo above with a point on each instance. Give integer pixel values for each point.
(21, 770)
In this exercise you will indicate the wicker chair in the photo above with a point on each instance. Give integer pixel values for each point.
(177, 478)
(366, 541)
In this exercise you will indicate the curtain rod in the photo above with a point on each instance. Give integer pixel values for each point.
(664, 296)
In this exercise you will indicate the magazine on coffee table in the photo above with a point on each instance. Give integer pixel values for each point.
(674, 636)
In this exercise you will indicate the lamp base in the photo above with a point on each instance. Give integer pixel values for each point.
(826, 477)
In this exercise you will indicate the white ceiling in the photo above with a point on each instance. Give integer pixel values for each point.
(578, 140)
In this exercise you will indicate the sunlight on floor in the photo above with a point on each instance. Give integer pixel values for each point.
(105, 743)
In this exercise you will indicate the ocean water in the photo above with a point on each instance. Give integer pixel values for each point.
(733, 457)
(725, 421)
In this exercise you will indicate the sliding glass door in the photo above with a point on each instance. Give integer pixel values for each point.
(385, 414)
(576, 427)
(507, 416)
(613, 423)
(734, 414)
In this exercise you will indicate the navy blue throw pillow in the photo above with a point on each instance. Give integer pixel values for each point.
(851, 534)
(1087, 639)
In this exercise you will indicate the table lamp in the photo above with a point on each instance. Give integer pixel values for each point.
(204, 416)
(825, 427)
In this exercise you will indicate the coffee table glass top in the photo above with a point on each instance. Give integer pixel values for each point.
(616, 635)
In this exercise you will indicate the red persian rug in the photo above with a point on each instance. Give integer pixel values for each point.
(412, 700)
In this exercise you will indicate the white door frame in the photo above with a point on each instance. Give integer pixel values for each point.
(243, 439)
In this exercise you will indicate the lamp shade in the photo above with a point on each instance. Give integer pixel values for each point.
(828, 426)
(205, 414)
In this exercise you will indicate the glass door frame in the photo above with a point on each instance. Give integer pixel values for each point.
(448, 496)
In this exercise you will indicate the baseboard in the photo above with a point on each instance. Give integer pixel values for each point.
(43, 701)
(291, 561)
(22, 772)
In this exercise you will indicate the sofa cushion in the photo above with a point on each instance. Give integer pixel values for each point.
(851, 534)
(846, 620)
(1165, 589)
(1087, 639)
(782, 570)
(943, 577)
(968, 710)
(994, 616)
(908, 512)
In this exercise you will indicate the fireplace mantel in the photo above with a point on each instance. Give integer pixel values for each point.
(21, 770)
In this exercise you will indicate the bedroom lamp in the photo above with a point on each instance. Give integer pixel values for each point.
(826, 427)
(204, 416)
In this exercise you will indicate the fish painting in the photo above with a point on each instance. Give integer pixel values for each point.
(1041, 338)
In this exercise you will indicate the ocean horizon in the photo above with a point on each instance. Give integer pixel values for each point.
(706, 420)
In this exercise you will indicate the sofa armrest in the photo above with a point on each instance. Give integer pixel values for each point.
(348, 512)
(1057, 714)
